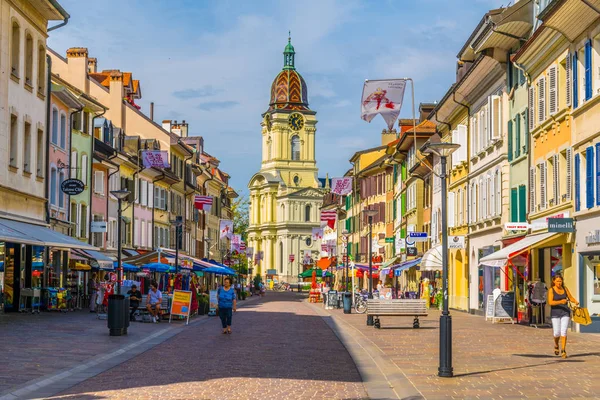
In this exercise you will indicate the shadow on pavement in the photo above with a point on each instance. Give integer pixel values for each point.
(519, 367)
(277, 340)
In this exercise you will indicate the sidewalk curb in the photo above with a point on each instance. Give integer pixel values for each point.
(382, 378)
(52, 384)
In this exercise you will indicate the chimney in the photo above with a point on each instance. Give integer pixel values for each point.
(77, 64)
(152, 110)
(92, 65)
(166, 124)
(184, 129)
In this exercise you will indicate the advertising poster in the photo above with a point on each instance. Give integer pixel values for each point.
(181, 304)
(212, 308)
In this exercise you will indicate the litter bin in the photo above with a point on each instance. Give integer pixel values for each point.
(118, 314)
(347, 303)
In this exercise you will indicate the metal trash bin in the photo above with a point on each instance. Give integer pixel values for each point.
(347, 303)
(118, 314)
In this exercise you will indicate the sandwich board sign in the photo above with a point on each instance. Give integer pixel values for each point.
(181, 304)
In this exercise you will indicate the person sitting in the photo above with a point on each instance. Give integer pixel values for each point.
(135, 296)
(154, 300)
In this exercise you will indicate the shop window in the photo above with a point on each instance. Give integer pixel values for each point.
(15, 49)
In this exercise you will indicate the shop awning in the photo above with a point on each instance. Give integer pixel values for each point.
(391, 261)
(432, 259)
(97, 259)
(501, 257)
(79, 266)
(320, 273)
(37, 235)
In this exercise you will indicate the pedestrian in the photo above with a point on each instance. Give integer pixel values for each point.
(558, 298)
(227, 304)
(135, 296)
(93, 291)
(153, 302)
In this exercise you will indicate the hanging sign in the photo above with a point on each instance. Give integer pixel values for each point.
(98, 226)
(456, 242)
(411, 251)
(417, 236)
(341, 186)
(516, 226)
(72, 187)
(155, 159)
(561, 225)
(181, 304)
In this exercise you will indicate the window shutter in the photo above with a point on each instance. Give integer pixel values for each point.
(522, 204)
(144, 192)
(553, 88)
(490, 119)
(496, 118)
(514, 214)
(99, 182)
(462, 140)
(492, 197)
(543, 185)
(577, 181)
(569, 180)
(532, 190)
(473, 134)
(517, 144)
(531, 109)
(541, 100)
(526, 138)
(73, 165)
(151, 195)
(574, 65)
(568, 83)
(598, 174)
(588, 69)
(589, 177)
(136, 190)
(455, 154)
(556, 180)
(510, 141)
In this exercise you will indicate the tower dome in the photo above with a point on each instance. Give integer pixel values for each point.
(288, 90)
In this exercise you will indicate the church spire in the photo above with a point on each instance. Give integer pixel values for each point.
(289, 54)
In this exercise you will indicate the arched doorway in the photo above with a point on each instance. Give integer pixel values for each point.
(461, 282)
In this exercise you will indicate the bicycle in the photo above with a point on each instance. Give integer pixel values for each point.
(360, 303)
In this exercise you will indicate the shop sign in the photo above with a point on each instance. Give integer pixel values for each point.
(516, 226)
(542, 223)
(271, 272)
(72, 187)
(400, 244)
(456, 242)
(180, 305)
(98, 226)
(593, 237)
(561, 225)
(389, 240)
(417, 236)
(411, 251)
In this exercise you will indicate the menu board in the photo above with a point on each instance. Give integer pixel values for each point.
(332, 299)
(505, 305)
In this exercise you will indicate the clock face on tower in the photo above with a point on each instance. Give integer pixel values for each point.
(296, 121)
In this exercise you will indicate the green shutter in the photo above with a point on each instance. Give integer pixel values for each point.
(403, 197)
(517, 136)
(514, 202)
(522, 203)
(510, 140)
(403, 171)
(396, 206)
(395, 173)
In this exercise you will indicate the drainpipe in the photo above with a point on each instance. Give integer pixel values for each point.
(108, 184)
(520, 68)
(212, 177)
(48, 106)
(91, 157)
(468, 203)
(185, 194)
(70, 152)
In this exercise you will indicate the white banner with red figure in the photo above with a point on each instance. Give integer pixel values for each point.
(341, 186)
(155, 158)
(236, 241)
(382, 97)
(317, 233)
(225, 228)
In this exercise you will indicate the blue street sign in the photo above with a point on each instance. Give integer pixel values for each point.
(416, 237)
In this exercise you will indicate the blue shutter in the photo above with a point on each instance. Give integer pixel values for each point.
(589, 177)
(598, 174)
(518, 136)
(577, 181)
(575, 88)
(588, 70)
(510, 141)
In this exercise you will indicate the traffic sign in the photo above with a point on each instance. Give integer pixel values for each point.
(417, 236)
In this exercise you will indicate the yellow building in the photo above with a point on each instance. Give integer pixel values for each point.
(285, 195)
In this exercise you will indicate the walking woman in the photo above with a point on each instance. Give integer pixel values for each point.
(558, 298)
(227, 303)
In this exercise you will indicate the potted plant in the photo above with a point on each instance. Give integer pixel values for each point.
(202, 304)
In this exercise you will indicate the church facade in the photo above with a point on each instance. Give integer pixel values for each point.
(286, 194)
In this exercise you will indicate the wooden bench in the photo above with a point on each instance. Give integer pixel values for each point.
(397, 308)
(165, 307)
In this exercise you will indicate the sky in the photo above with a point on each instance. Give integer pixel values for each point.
(212, 63)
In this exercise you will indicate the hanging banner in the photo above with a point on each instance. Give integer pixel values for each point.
(317, 233)
(382, 97)
(155, 158)
(292, 257)
(225, 228)
(203, 202)
(180, 305)
(341, 186)
(235, 242)
(329, 217)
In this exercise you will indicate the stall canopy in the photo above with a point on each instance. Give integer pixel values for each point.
(221, 269)
(127, 267)
(158, 267)
(320, 274)
(501, 257)
(402, 266)
(97, 258)
(37, 235)
(432, 259)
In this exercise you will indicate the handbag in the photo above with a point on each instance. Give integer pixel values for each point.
(580, 315)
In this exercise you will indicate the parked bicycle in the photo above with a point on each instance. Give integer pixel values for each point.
(360, 302)
(282, 287)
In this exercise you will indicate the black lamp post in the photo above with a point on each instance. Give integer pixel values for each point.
(120, 195)
(444, 150)
(345, 235)
(370, 214)
(178, 233)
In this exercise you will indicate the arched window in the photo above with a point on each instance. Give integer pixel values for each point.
(29, 59)
(63, 130)
(307, 213)
(15, 49)
(54, 138)
(295, 148)
(53, 187)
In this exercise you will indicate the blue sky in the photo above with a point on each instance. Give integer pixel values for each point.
(212, 62)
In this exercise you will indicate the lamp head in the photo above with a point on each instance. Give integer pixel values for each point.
(440, 149)
(370, 213)
(120, 194)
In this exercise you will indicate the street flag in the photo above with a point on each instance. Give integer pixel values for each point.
(324, 247)
(235, 242)
(329, 216)
(155, 158)
(242, 247)
(382, 97)
(341, 186)
(203, 202)
(225, 228)
(317, 233)
(250, 252)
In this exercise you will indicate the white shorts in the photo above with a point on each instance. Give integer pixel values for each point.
(560, 326)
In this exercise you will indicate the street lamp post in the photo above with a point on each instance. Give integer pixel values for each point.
(345, 235)
(444, 150)
(177, 223)
(370, 214)
(120, 195)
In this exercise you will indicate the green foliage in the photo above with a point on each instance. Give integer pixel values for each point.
(239, 208)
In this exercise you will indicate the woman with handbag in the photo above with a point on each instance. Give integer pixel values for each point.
(558, 298)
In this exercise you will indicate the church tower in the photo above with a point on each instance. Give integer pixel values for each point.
(286, 194)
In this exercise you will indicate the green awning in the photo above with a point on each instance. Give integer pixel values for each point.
(308, 273)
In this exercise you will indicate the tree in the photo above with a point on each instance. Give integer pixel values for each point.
(240, 210)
